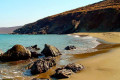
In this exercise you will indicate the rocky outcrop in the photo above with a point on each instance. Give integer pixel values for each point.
(42, 65)
(50, 51)
(70, 47)
(34, 51)
(17, 52)
(68, 70)
(103, 16)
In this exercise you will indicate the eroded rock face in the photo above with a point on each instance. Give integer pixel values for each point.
(70, 48)
(42, 65)
(66, 71)
(50, 51)
(17, 52)
(34, 51)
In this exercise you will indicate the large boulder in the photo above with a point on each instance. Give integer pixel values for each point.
(74, 67)
(50, 51)
(70, 47)
(42, 65)
(66, 71)
(62, 73)
(34, 51)
(17, 52)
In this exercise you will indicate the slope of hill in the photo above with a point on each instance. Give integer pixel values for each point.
(103, 16)
(6, 30)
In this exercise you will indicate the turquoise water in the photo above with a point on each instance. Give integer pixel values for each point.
(59, 41)
(83, 44)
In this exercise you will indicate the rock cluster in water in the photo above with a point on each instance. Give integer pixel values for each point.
(66, 71)
(34, 51)
(42, 65)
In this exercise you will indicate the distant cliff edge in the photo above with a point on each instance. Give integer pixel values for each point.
(103, 16)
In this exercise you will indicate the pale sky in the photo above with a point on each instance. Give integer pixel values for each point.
(20, 12)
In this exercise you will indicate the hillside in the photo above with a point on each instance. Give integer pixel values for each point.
(6, 30)
(103, 16)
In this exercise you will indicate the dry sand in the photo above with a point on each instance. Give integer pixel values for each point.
(104, 66)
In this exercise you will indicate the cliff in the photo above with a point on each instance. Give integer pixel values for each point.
(103, 16)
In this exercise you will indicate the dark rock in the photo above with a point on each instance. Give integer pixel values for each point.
(74, 67)
(50, 51)
(42, 65)
(35, 54)
(34, 51)
(17, 52)
(40, 79)
(62, 73)
(70, 48)
(66, 71)
(35, 47)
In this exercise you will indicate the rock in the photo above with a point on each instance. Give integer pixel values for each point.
(62, 73)
(42, 65)
(74, 67)
(40, 79)
(35, 54)
(17, 52)
(50, 51)
(70, 48)
(66, 71)
(34, 51)
(35, 47)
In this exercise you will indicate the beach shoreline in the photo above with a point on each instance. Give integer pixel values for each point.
(103, 66)
(99, 64)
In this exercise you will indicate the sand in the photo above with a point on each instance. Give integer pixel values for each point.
(104, 66)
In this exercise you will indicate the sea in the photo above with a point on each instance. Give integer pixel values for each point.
(83, 44)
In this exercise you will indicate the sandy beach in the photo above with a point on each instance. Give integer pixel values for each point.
(102, 66)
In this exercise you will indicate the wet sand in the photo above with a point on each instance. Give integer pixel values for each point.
(104, 66)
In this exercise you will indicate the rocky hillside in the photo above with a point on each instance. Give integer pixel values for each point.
(6, 30)
(103, 16)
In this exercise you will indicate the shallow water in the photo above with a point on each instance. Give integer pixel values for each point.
(10, 70)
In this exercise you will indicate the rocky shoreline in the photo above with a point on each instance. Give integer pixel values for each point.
(41, 65)
(49, 59)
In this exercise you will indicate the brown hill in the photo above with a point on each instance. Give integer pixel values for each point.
(6, 30)
(103, 16)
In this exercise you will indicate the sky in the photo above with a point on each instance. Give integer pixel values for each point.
(21, 12)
